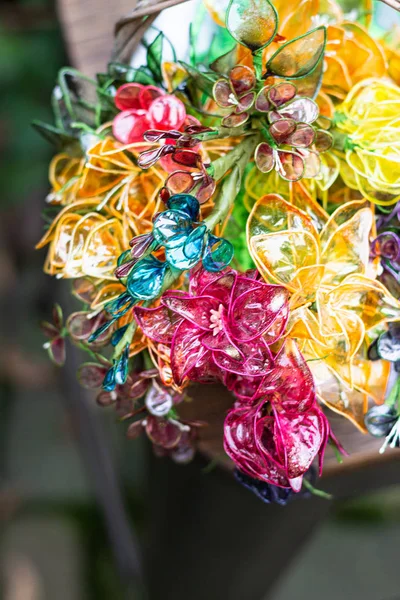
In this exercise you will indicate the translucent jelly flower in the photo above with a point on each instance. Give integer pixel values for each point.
(237, 94)
(145, 107)
(335, 300)
(185, 241)
(370, 160)
(225, 323)
(293, 142)
(276, 437)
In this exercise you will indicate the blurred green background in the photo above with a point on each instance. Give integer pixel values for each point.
(65, 464)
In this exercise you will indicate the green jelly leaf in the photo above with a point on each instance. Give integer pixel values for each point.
(299, 57)
(204, 80)
(56, 136)
(75, 99)
(253, 23)
(225, 63)
(154, 56)
(124, 74)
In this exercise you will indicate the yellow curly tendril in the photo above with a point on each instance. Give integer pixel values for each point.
(369, 117)
(324, 264)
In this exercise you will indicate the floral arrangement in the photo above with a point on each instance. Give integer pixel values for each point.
(234, 220)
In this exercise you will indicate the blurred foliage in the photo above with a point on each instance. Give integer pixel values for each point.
(31, 52)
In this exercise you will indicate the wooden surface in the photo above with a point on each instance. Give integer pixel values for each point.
(88, 27)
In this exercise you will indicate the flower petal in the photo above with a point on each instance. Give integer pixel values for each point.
(254, 312)
(187, 351)
(196, 309)
(158, 324)
(242, 79)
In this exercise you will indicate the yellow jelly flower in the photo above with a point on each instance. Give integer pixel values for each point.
(369, 117)
(334, 298)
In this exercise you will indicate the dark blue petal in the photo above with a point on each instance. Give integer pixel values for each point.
(218, 254)
(268, 493)
(109, 382)
(118, 307)
(146, 279)
(118, 335)
(185, 203)
(97, 333)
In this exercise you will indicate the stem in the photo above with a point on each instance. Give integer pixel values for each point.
(315, 491)
(394, 394)
(231, 186)
(223, 164)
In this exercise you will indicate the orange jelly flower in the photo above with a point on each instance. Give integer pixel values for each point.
(334, 297)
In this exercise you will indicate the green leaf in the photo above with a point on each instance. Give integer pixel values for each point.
(154, 56)
(54, 135)
(124, 74)
(75, 99)
(299, 57)
(225, 63)
(253, 23)
(204, 80)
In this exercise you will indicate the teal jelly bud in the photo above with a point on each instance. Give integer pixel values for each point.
(109, 382)
(194, 244)
(118, 307)
(177, 259)
(118, 335)
(146, 279)
(171, 227)
(100, 330)
(218, 254)
(121, 368)
(185, 203)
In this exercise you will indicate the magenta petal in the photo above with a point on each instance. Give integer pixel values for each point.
(196, 310)
(200, 278)
(221, 287)
(150, 157)
(257, 362)
(158, 324)
(300, 439)
(187, 351)
(290, 381)
(253, 313)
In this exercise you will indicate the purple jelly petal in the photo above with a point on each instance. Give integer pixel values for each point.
(264, 157)
(223, 94)
(242, 79)
(281, 93)
(163, 432)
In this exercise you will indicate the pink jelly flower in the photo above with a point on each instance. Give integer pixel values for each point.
(225, 324)
(145, 107)
(276, 435)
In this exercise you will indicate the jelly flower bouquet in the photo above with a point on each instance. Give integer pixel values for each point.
(234, 220)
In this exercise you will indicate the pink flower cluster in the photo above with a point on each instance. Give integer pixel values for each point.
(222, 329)
(145, 107)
